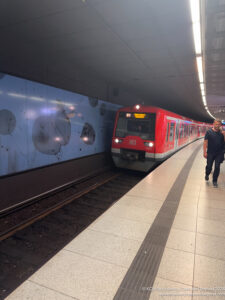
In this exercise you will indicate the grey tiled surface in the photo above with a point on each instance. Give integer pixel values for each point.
(144, 268)
(79, 276)
(184, 222)
(211, 227)
(177, 266)
(209, 272)
(122, 227)
(201, 214)
(181, 240)
(106, 247)
(170, 290)
(210, 245)
(33, 291)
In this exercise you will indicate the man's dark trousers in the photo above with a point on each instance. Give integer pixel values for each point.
(210, 159)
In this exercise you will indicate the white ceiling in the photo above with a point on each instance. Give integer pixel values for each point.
(123, 51)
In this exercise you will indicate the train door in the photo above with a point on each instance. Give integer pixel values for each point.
(177, 133)
(166, 145)
(172, 134)
(199, 131)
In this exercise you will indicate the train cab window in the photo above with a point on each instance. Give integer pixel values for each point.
(172, 126)
(142, 125)
(120, 129)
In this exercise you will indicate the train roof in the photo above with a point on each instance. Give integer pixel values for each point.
(145, 108)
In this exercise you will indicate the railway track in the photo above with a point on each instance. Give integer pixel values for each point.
(31, 235)
(26, 214)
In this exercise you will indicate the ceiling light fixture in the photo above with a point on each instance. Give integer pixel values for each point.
(200, 69)
(197, 38)
(202, 87)
(196, 26)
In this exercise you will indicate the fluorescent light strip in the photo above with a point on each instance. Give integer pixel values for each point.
(197, 38)
(17, 95)
(63, 103)
(210, 114)
(202, 86)
(200, 69)
(195, 10)
(55, 101)
(68, 103)
(36, 98)
(196, 26)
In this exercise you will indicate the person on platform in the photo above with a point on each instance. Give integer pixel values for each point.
(213, 150)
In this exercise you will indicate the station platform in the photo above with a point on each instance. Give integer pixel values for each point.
(164, 239)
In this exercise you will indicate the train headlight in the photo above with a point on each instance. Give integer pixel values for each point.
(149, 144)
(117, 141)
(137, 106)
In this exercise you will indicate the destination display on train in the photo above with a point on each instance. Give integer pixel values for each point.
(137, 115)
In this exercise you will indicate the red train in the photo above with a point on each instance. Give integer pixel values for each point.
(145, 135)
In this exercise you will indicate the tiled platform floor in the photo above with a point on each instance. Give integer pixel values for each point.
(94, 264)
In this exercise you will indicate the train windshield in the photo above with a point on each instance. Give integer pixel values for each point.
(136, 124)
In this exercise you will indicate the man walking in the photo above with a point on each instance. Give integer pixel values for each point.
(213, 150)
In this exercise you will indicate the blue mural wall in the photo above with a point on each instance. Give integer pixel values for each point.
(42, 125)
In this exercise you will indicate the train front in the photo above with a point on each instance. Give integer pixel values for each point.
(133, 143)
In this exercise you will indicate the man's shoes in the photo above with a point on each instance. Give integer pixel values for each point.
(215, 184)
(206, 177)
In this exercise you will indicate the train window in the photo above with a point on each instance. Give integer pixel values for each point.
(172, 126)
(196, 130)
(177, 130)
(181, 131)
(121, 127)
(167, 131)
(142, 127)
(185, 130)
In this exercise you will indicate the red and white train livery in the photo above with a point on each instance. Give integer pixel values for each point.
(145, 135)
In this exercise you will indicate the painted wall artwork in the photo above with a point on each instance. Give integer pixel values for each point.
(42, 125)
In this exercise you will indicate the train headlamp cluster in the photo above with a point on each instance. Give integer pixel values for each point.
(137, 106)
(117, 141)
(149, 144)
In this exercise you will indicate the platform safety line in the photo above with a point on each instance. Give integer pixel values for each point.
(140, 277)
